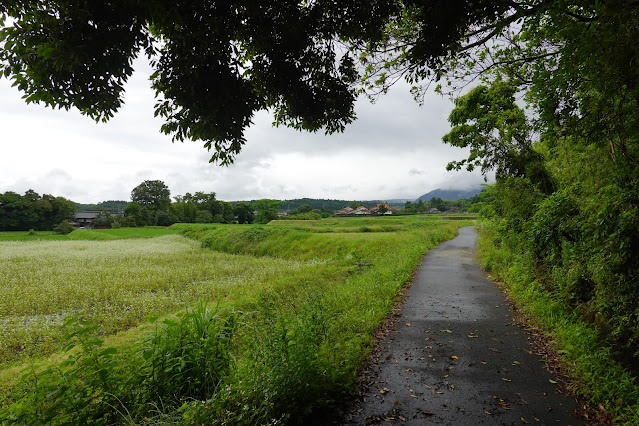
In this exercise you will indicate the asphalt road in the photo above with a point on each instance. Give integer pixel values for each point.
(455, 357)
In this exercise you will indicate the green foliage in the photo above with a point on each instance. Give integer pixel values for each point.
(489, 122)
(22, 212)
(85, 386)
(304, 208)
(152, 194)
(162, 219)
(63, 228)
(244, 212)
(214, 66)
(600, 379)
(266, 210)
(311, 313)
(110, 205)
(182, 359)
(204, 216)
(188, 357)
(103, 219)
(302, 216)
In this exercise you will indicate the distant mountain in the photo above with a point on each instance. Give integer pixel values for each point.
(450, 194)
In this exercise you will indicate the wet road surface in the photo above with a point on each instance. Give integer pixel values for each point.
(455, 357)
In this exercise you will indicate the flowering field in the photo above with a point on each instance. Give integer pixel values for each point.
(115, 283)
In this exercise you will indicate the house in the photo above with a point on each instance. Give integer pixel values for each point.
(346, 210)
(389, 209)
(361, 210)
(84, 218)
(358, 211)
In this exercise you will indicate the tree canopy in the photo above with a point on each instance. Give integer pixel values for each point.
(32, 211)
(153, 194)
(215, 63)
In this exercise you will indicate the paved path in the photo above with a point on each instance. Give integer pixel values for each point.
(455, 357)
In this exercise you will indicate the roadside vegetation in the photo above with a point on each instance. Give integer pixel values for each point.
(254, 324)
(601, 376)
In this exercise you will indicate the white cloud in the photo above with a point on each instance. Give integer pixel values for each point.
(393, 150)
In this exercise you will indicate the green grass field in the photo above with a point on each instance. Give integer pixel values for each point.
(309, 296)
(87, 234)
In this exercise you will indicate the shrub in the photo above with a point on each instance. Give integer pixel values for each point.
(32, 232)
(187, 358)
(204, 216)
(64, 227)
(116, 225)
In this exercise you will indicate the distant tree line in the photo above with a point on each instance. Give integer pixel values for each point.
(33, 211)
(464, 204)
(114, 206)
(151, 205)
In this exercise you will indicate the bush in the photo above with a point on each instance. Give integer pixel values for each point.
(116, 225)
(162, 219)
(205, 216)
(187, 358)
(32, 232)
(64, 227)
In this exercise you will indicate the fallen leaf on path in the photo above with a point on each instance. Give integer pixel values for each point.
(454, 357)
(506, 380)
(524, 420)
(396, 402)
(401, 418)
(384, 391)
(445, 331)
(407, 324)
(554, 382)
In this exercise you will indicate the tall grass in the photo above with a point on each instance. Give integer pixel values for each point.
(310, 299)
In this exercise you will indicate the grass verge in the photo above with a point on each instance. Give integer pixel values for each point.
(600, 380)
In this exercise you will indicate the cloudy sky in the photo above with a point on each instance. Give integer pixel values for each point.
(393, 150)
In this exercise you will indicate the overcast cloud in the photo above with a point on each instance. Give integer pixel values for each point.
(393, 150)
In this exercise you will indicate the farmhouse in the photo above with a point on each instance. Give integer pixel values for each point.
(84, 218)
(361, 210)
(347, 210)
(389, 209)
